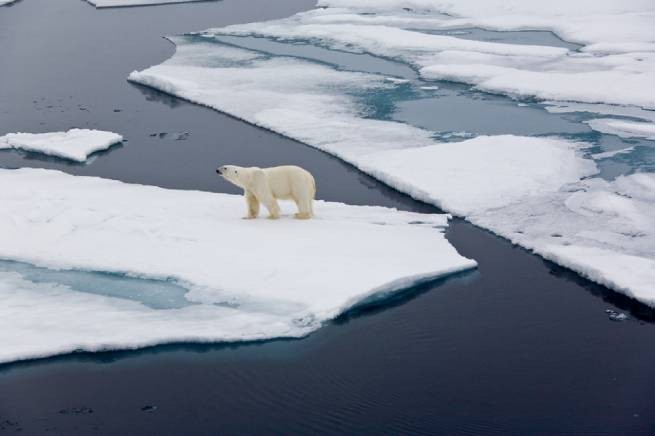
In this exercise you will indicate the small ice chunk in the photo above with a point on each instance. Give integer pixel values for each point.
(75, 144)
(396, 80)
(608, 154)
(623, 128)
(559, 107)
(616, 316)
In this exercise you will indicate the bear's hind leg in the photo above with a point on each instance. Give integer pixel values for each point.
(253, 205)
(305, 211)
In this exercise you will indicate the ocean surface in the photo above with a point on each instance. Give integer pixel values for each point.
(520, 346)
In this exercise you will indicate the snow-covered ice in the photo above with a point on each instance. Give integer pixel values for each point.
(489, 171)
(602, 229)
(75, 144)
(120, 3)
(616, 64)
(247, 279)
(538, 192)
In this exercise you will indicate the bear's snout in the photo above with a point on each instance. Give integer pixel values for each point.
(219, 170)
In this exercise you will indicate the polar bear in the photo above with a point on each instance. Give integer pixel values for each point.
(267, 185)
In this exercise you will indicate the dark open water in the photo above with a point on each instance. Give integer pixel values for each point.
(519, 347)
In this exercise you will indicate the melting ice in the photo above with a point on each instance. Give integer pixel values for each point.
(546, 193)
(210, 276)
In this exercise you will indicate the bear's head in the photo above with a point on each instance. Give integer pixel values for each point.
(232, 174)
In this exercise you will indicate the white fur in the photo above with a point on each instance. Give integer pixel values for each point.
(267, 185)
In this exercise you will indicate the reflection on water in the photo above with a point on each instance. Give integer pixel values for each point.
(524, 37)
(339, 59)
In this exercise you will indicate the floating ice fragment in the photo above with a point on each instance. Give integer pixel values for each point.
(624, 128)
(75, 144)
(616, 316)
(608, 154)
(396, 80)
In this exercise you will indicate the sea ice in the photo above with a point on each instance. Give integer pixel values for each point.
(247, 279)
(616, 65)
(486, 172)
(75, 144)
(536, 191)
(559, 107)
(6, 2)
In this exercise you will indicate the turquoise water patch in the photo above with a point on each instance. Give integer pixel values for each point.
(453, 109)
(156, 294)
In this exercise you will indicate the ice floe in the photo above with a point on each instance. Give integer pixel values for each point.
(616, 64)
(486, 172)
(120, 3)
(6, 2)
(247, 279)
(536, 191)
(75, 144)
(623, 128)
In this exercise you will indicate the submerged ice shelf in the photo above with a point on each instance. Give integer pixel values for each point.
(538, 192)
(624, 128)
(75, 144)
(245, 279)
(122, 3)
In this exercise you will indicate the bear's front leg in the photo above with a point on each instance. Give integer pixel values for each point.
(262, 190)
(271, 204)
(253, 205)
(273, 208)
